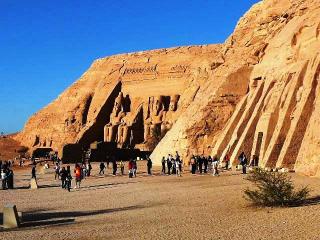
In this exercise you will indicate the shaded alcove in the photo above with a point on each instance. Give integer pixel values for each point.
(95, 132)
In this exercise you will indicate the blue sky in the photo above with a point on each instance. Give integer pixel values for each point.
(46, 45)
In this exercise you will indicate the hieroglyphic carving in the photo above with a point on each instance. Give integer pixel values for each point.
(141, 70)
(179, 68)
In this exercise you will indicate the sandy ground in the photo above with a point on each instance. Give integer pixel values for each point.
(155, 207)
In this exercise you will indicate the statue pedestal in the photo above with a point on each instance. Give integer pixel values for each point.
(10, 216)
(33, 183)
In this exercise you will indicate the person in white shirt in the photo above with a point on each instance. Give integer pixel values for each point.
(215, 164)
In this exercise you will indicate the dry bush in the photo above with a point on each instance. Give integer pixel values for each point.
(274, 189)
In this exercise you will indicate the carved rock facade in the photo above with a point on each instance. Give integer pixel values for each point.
(258, 92)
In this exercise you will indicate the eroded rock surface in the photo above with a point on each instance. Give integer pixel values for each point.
(258, 92)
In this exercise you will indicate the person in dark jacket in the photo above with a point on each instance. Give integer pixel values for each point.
(63, 177)
(169, 164)
(114, 167)
(10, 179)
(102, 167)
(200, 163)
(33, 172)
(193, 165)
(149, 165)
(243, 162)
(205, 163)
(68, 179)
(163, 162)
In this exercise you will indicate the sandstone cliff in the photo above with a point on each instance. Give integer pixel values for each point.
(258, 92)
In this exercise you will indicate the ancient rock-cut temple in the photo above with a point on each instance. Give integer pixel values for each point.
(258, 92)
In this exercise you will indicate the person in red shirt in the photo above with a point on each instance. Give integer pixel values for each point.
(78, 175)
(130, 168)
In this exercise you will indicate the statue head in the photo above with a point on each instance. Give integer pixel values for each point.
(173, 102)
(118, 103)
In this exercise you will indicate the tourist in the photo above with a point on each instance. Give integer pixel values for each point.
(135, 168)
(227, 160)
(63, 176)
(173, 164)
(169, 164)
(84, 170)
(9, 179)
(215, 165)
(78, 175)
(163, 162)
(4, 178)
(102, 167)
(193, 165)
(130, 168)
(209, 163)
(33, 172)
(122, 167)
(89, 168)
(114, 167)
(149, 165)
(243, 162)
(57, 171)
(200, 163)
(178, 164)
(205, 163)
(68, 179)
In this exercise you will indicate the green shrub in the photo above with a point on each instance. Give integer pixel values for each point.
(274, 189)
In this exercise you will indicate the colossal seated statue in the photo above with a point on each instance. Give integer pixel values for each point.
(110, 130)
(125, 129)
(154, 119)
(168, 116)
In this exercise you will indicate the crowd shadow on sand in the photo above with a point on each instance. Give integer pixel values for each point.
(34, 219)
(103, 186)
(83, 188)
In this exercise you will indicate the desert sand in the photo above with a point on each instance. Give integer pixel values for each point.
(155, 207)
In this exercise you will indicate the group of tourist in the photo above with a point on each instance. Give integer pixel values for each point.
(6, 175)
(203, 165)
(172, 165)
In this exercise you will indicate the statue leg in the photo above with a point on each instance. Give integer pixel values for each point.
(120, 134)
(146, 132)
(125, 132)
(106, 134)
(113, 133)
